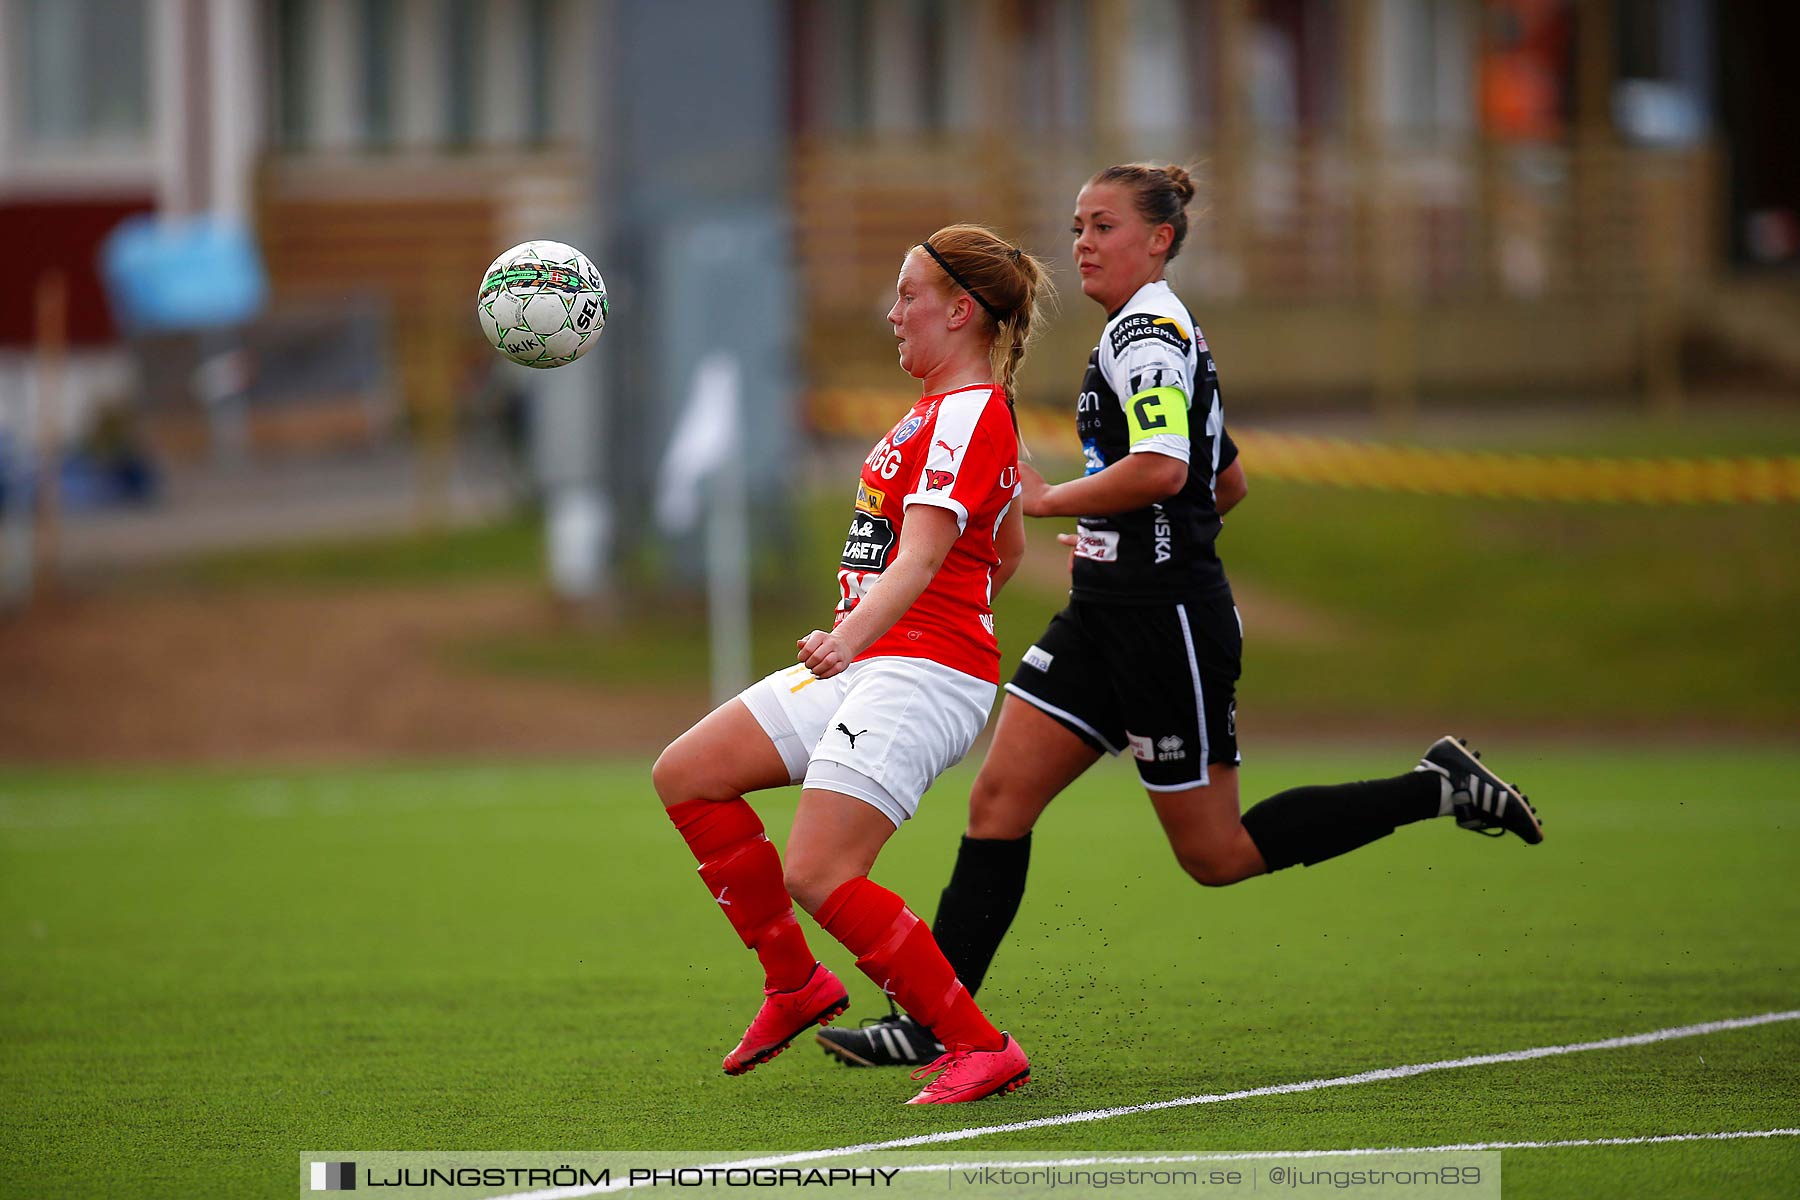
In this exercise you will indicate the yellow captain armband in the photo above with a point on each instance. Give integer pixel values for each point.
(1155, 411)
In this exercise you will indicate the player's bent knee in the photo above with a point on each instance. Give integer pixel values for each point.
(997, 827)
(680, 774)
(811, 885)
(665, 775)
(997, 811)
(1208, 874)
(1212, 868)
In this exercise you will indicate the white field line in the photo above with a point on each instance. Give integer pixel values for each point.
(1381, 1075)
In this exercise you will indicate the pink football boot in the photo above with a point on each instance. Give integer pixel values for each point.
(784, 1016)
(971, 1074)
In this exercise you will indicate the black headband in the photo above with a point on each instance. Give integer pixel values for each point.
(962, 283)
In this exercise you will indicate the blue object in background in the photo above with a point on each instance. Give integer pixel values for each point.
(11, 481)
(179, 274)
(87, 480)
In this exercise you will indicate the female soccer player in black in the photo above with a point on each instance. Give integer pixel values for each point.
(1146, 656)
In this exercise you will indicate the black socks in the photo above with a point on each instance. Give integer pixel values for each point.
(1311, 824)
(1301, 825)
(978, 907)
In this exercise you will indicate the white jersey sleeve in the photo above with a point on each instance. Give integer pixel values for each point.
(1148, 360)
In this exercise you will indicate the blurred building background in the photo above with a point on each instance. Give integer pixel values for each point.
(1402, 196)
(1405, 201)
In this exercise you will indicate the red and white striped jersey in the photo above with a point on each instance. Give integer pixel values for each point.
(955, 451)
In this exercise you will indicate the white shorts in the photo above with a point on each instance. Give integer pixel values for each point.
(882, 730)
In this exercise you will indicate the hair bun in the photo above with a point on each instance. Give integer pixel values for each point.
(1183, 182)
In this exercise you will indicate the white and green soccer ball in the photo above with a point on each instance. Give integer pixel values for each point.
(542, 304)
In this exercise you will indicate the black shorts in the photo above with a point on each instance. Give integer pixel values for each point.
(1160, 680)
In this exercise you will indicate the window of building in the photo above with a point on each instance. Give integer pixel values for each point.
(424, 74)
(81, 73)
(1294, 72)
(1054, 66)
(898, 67)
(1154, 71)
(1664, 90)
(289, 50)
(538, 71)
(1425, 73)
(462, 66)
(377, 30)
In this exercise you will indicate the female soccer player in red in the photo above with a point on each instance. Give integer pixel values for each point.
(1145, 658)
(893, 694)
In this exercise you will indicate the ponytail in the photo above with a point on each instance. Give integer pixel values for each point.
(1010, 286)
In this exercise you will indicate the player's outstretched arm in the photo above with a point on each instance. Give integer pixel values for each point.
(925, 541)
(1135, 481)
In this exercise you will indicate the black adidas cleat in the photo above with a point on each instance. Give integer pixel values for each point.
(895, 1040)
(1480, 799)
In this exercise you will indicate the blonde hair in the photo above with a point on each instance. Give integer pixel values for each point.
(1010, 286)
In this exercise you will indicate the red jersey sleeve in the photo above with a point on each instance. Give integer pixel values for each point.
(972, 447)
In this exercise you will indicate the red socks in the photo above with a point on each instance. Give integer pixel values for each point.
(743, 873)
(892, 946)
(896, 950)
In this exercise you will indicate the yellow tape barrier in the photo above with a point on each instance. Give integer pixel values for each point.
(1334, 462)
(1558, 479)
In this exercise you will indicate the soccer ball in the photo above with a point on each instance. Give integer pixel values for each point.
(542, 304)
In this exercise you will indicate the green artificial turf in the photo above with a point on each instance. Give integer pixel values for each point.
(204, 973)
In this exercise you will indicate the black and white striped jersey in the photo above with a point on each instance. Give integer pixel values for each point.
(1151, 388)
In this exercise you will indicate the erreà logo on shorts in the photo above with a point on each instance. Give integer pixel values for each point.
(1165, 749)
(334, 1177)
